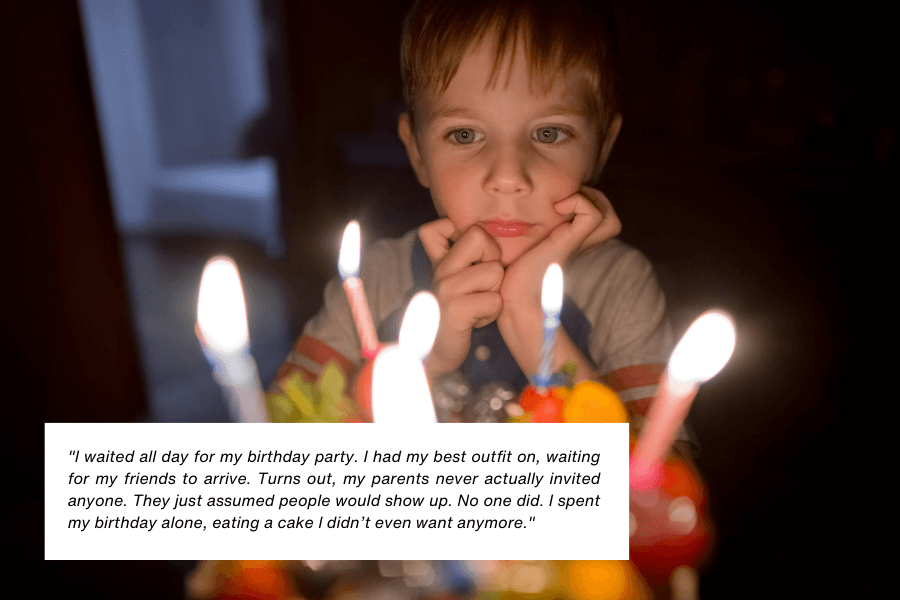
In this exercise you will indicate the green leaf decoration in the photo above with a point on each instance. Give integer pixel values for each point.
(568, 370)
(302, 393)
(306, 402)
(282, 410)
(331, 384)
(334, 405)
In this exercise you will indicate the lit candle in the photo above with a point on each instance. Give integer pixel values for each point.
(698, 357)
(551, 304)
(400, 392)
(348, 267)
(225, 339)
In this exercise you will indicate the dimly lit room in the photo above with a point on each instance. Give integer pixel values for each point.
(145, 137)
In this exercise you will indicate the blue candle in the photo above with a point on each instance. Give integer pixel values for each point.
(551, 304)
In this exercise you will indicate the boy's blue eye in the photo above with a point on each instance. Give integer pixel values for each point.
(550, 135)
(464, 136)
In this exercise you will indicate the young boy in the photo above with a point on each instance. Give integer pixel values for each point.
(512, 111)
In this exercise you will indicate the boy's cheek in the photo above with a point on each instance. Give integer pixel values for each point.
(453, 199)
(564, 184)
(438, 206)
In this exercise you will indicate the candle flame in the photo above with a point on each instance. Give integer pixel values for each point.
(420, 324)
(552, 291)
(704, 350)
(400, 392)
(221, 311)
(348, 260)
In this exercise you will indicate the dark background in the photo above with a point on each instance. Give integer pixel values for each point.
(752, 169)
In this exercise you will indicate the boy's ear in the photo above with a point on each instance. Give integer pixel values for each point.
(404, 129)
(606, 147)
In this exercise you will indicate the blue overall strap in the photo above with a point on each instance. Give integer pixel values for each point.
(494, 361)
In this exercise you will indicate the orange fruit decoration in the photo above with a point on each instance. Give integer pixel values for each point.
(593, 402)
(606, 580)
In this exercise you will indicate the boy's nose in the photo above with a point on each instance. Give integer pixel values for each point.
(508, 173)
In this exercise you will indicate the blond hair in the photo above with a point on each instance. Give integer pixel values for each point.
(558, 36)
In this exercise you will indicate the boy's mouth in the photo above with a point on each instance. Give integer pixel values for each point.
(507, 229)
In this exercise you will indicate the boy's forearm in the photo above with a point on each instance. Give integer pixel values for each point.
(523, 334)
(567, 352)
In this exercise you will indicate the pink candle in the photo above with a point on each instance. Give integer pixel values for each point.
(701, 353)
(668, 411)
(348, 267)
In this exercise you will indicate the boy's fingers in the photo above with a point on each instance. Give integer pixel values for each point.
(483, 277)
(568, 236)
(610, 225)
(436, 237)
(595, 221)
(472, 310)
(474, 246)
(459, 316)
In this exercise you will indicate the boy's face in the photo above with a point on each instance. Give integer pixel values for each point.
(501, 156)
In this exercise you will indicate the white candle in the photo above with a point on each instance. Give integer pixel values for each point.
(348, 267)
(551, 304)
(225, 339)
(698, 357)
(400, 392)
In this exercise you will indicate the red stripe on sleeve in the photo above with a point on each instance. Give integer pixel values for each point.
(632, 377)
(316, 351)
(635, 376)
(288, 369)
(639, 407)
(320, 353)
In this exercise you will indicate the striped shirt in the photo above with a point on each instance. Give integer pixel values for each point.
(614, 312)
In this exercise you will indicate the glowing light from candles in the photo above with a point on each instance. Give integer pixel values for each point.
(420, 324)
(703, 351)
(221, 310)
(700, 355)
(348, 267)
(348, 259)
(225, 339)
(551, 304)
(400, 392)
(552, 291)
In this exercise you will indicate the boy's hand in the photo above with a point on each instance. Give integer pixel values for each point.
(467, 278)
(587, 227)
(521, 318)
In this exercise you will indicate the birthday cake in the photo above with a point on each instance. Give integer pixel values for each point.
(669, 531)
(669, 527)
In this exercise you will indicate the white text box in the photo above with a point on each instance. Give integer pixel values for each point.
(293, 491)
